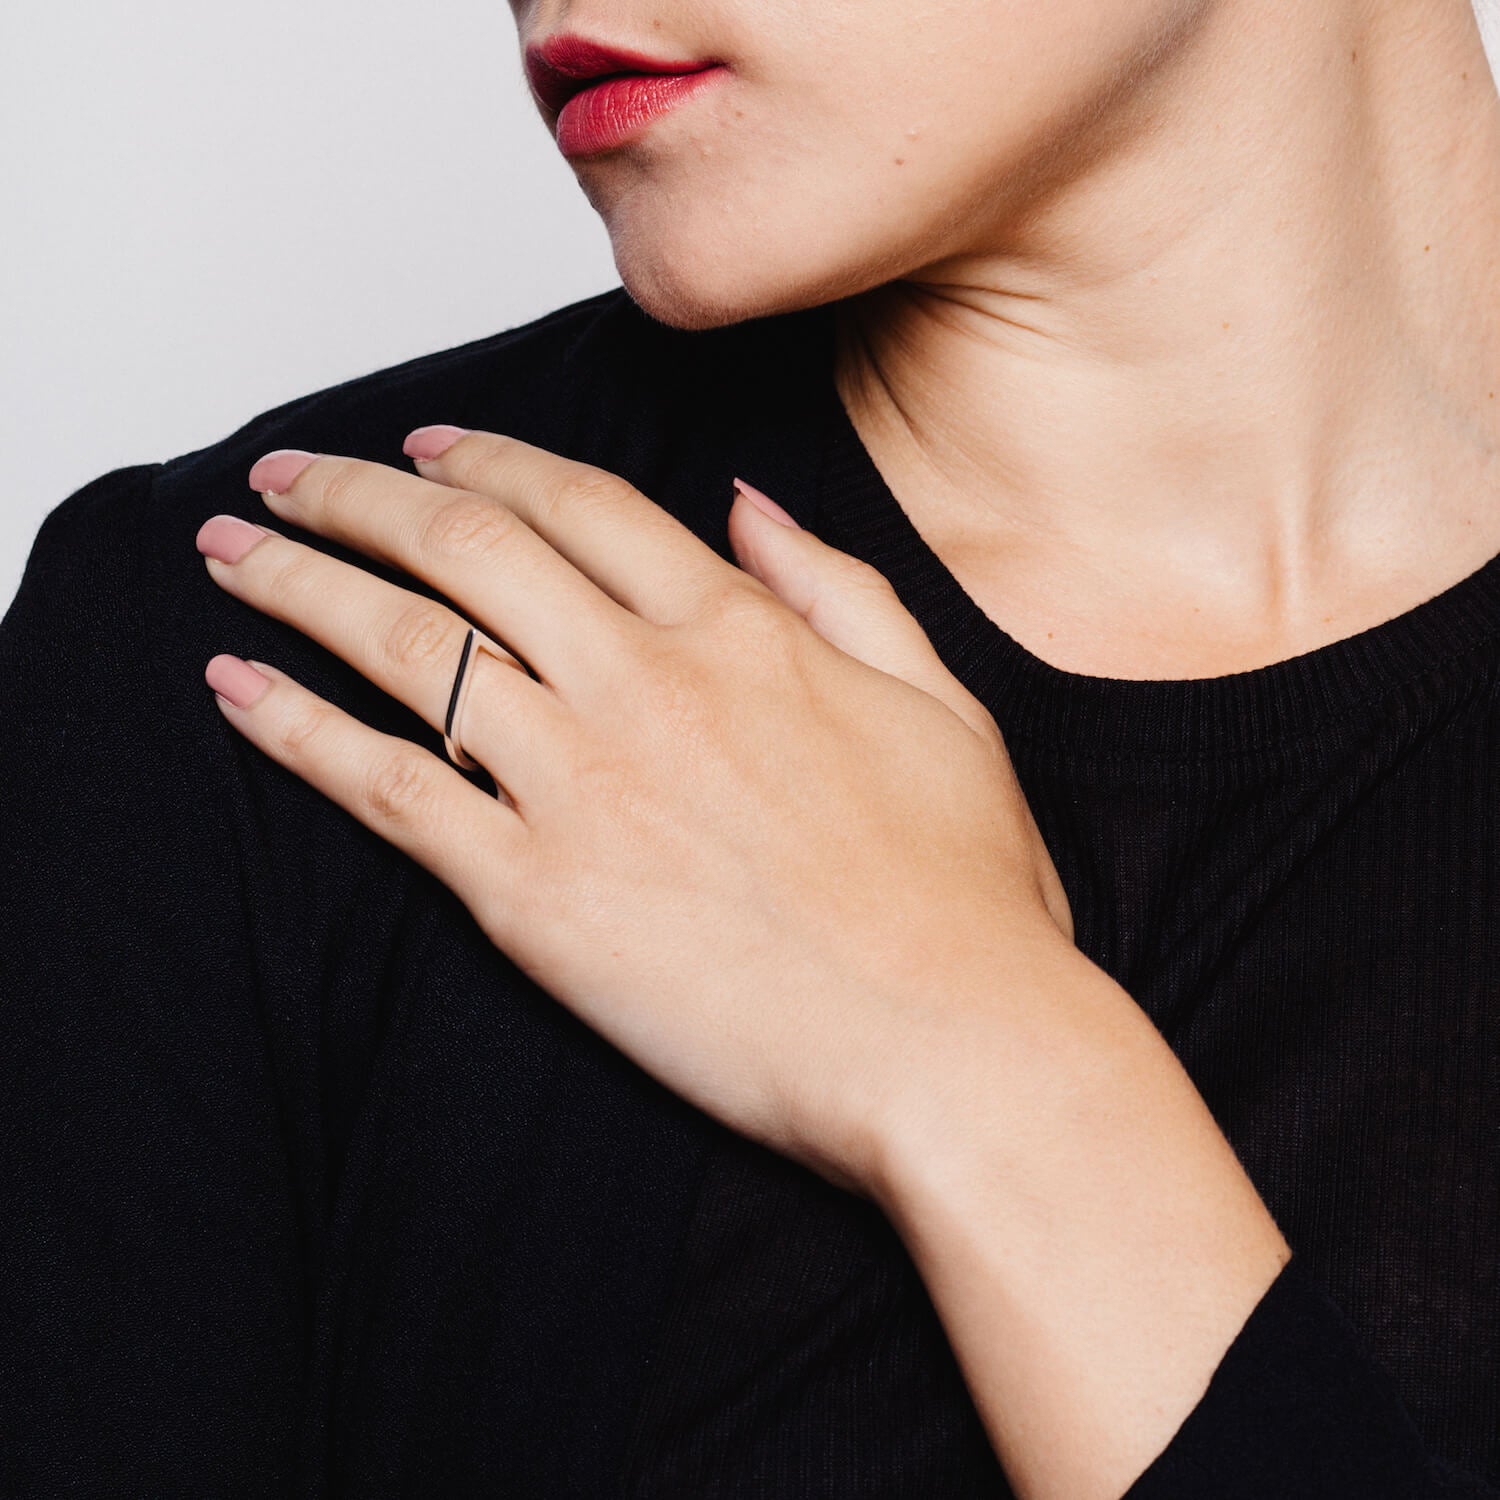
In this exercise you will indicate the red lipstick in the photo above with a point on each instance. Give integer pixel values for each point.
(603, 95)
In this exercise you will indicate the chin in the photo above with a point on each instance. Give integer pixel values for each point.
(689, 308)
(693, 297)
(685, 285)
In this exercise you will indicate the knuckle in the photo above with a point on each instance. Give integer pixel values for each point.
(419, 640)
(302, 728)
(466, 523)
(757, 619)
(480, 461)
(863, 575)
(293, 580)
(474, 456)
(587, 491)
(338, 487)
(397, 786)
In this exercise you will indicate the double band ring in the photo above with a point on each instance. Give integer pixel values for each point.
(474, 642)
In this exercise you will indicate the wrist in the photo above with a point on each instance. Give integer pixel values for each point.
(1063, 1106)
(1036, 1041)
(1087, 1235)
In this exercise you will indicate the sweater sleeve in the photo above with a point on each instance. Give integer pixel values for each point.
(149, 1292)
(1298, 1409)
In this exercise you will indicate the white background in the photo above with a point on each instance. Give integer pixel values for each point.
(213, 206)
(209, 207)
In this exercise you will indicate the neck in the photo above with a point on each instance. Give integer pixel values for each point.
(1242, 370)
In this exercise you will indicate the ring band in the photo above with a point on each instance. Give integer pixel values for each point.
(474, 642)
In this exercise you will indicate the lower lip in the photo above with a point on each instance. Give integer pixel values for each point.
(609, 113)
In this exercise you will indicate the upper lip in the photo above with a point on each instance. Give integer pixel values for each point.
(564, 64)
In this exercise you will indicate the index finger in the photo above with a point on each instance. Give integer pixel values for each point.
(638, 553)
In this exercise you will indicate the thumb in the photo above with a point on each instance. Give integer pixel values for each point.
(849, 603)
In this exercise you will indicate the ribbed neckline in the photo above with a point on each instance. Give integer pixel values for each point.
(1102, 716)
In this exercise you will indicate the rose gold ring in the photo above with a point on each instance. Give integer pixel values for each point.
(474, 642)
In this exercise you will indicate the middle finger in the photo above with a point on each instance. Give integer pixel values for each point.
(475, 550)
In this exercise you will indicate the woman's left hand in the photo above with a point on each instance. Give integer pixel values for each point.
(750, 828)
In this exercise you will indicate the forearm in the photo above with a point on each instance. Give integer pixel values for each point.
(1086, 1233)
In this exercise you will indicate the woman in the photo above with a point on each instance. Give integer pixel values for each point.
(984, 988)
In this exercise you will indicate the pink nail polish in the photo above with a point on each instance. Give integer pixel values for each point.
(277, 469)
(228, 537)
(235, 680)
(432, 442)
(765, 502)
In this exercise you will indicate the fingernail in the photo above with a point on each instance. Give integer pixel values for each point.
(228, 537)
(235, 680)
(277, 469)
(765, 503)
(431, 442)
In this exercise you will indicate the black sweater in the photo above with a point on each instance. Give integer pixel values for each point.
(306, 1191)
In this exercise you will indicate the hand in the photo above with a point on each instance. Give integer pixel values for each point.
(749, 827)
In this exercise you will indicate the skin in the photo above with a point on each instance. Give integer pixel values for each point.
(917, 1026)
(1171, 323)
(1097, 330)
